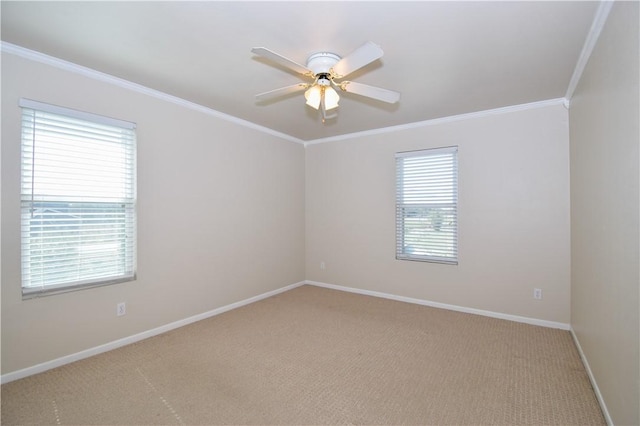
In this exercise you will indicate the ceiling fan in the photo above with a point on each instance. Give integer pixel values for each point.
(327, 71)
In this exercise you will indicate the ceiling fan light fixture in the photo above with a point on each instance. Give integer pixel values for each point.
(313, 96)
(331, 98)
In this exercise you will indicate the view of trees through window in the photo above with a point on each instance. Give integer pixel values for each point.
(428, 230)
(69, 242)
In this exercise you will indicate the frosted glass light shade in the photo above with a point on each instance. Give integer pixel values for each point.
(313, 96)
(331, 98)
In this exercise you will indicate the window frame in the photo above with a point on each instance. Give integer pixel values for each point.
(34, 194)
(434, 205)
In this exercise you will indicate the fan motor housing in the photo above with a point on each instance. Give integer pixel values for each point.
(322, 62)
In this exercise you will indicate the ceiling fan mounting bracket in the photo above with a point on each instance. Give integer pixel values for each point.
(322, 62)
(323, 79)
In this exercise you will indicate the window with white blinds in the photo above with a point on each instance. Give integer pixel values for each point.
(78, 199)
(427, 205)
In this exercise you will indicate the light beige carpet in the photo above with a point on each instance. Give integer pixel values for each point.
(319, 356)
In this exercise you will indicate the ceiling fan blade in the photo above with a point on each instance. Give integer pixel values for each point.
(266, 96)
(377, 93)
(286, 62)
(357, 59)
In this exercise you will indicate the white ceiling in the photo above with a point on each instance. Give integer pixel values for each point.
(446, 58)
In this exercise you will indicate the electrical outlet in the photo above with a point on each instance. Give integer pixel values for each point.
(121, 309)
(537, 293)
(322, 265)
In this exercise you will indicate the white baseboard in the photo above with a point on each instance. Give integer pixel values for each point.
(48, 365)
(592, 379)
(526, 320)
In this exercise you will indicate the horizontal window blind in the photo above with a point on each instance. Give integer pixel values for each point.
(78, 199)
(427, 205)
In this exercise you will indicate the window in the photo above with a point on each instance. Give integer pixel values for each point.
(78, 205)
(427, 205)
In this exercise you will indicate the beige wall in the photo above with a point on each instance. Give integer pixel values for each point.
(513, 214)
(220, 218)
(227, 213)
(605, 214)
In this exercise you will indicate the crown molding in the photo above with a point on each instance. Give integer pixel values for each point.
(116, 81)
(443, 120)
(134, 87)
(597, 25)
